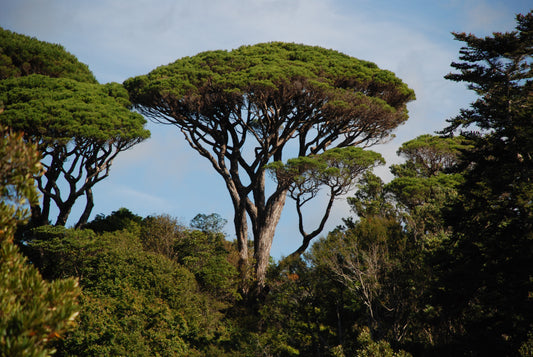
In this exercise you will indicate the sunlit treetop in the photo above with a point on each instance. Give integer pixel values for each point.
(428, 155)
(57, 109)
(270, 64)
(296, 83)
(79, 128)
(22, 55)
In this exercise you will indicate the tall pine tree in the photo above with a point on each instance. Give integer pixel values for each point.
(486, 284)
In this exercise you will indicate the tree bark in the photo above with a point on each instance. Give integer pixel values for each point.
(64, 212)
(42, 215)
(88, 208)
(241, 231)
(266, 229)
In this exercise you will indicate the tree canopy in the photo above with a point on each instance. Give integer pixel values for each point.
(246, 108)
(338, 169)
(79, 125)
(427, 181)
(22, 55)
(58, 109)
(437, 262)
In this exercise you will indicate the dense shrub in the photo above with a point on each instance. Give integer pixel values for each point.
(134, 302)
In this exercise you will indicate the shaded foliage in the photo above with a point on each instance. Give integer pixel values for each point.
(118, 220)
(33, 312)
(377, 263)
(485, 276)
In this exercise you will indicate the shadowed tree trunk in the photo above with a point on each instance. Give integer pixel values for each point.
(88, 208)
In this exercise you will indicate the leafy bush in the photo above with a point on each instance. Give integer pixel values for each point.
(206, 255)
(123, 218)
(134, 302)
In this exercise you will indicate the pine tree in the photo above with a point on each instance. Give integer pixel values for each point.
(487, 283)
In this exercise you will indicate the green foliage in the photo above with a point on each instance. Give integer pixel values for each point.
(58, 110)
(336, 168)
(19, 163)
(265, 99)
(371, 199)
(485, 279)
(79, 125)
(305, 312)
(21, 55)
(206, 255)
(33, 312)
(383, 257)
(208, 223)
(118, 220)
(363, 276)
(265, 67)
(371, 348)
(134, 302)
(378, 263)
(423, 200)
(416, 200)
(436, 262)
(79, 128)
(526, 349)
(159, 234)
(429, 155)
(423, 185)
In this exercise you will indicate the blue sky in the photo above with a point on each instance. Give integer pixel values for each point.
(119, 39)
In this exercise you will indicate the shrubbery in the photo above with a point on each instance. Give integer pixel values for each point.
(134, 301)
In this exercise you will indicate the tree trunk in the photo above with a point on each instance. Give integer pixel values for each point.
(241, 231)
(264, 236)
(37, 218)
(44, 210)
(88, 208)
(44, 215)
(64, 211)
